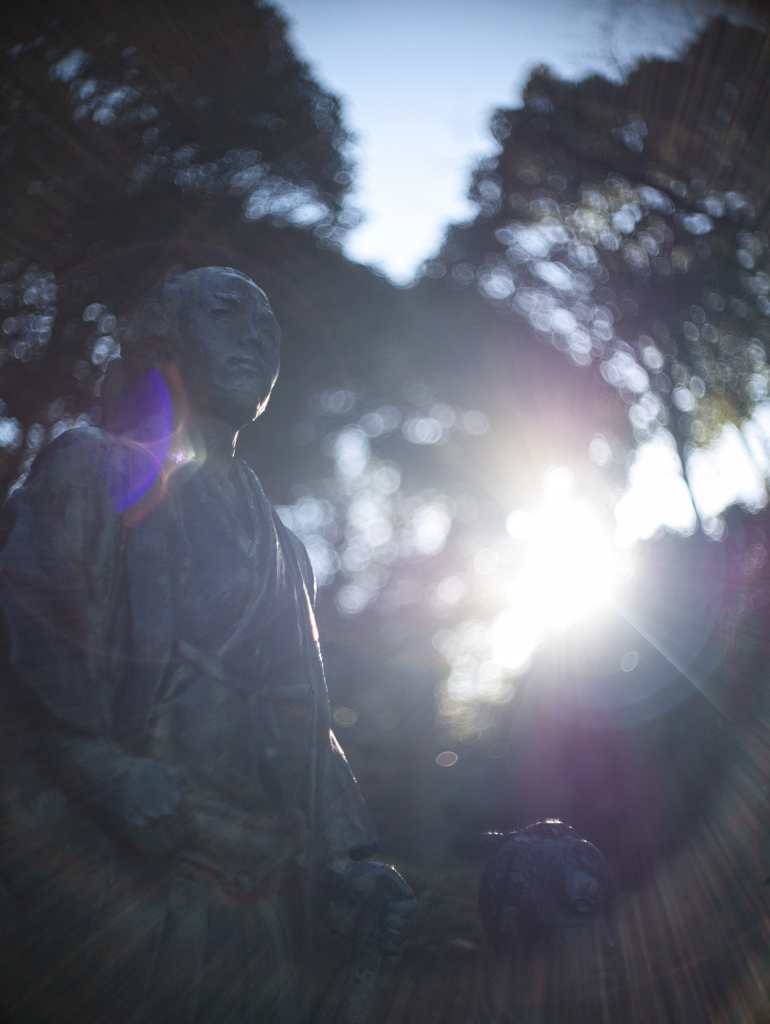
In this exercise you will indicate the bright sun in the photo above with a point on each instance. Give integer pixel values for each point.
(567, 571)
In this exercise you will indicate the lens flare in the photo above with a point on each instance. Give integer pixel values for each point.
(145, 422)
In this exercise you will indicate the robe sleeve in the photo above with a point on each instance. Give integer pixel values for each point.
(58, 577)
(305, 566)
(346, 822)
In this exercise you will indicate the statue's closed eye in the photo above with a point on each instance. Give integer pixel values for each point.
(223, 302)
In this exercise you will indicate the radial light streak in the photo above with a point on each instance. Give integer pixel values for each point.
(675, 662)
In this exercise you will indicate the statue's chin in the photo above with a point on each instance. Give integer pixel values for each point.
(239, 407)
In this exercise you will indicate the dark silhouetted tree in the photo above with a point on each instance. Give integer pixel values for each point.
(136, 136)
(626, 223)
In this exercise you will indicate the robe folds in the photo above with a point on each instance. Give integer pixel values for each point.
(178, 632)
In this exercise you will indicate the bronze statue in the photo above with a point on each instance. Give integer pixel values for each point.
(176, 813)
(545, 901)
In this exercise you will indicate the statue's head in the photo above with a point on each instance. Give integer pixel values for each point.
(545, 897)
(216, 326)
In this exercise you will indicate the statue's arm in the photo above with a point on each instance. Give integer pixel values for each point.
(305, 566)
(58, 533)
(60, 586)
(358, 892)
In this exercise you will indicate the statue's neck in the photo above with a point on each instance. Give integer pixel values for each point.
(211, 438)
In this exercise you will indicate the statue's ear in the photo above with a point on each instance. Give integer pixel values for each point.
(170, 301)
(490, 841)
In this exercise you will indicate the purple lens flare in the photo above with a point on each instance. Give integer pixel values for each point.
(145, 423)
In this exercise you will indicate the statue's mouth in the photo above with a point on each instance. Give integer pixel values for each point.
(244, 365)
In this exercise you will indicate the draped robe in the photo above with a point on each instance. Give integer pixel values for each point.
(181, 631)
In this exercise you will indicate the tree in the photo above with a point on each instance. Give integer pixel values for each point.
(626, 223)
(136, 136)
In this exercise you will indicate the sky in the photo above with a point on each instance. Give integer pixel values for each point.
(420, 78)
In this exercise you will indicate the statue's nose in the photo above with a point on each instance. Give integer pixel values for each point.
(251, 336)
(585, 886)
(259, 335)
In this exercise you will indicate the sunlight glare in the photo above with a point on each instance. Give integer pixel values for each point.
(560, 566)
(657, 496)
(567, 571)
(515, 635)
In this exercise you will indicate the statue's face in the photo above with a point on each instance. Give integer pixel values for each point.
(236, 340)
(546, 904)
(580, 943)
(571, 962)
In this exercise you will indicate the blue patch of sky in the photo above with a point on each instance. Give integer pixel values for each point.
(420, 79)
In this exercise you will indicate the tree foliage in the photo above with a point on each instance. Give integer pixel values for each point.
(626, 224)
(133, 136)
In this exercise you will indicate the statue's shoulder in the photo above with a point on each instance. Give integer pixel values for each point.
(65, 484)
(75, 466)
(73, 456)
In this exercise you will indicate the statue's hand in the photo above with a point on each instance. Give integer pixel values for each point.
(154, 811)
(356, 888)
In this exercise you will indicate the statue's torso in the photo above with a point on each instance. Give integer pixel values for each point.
(236, 712)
